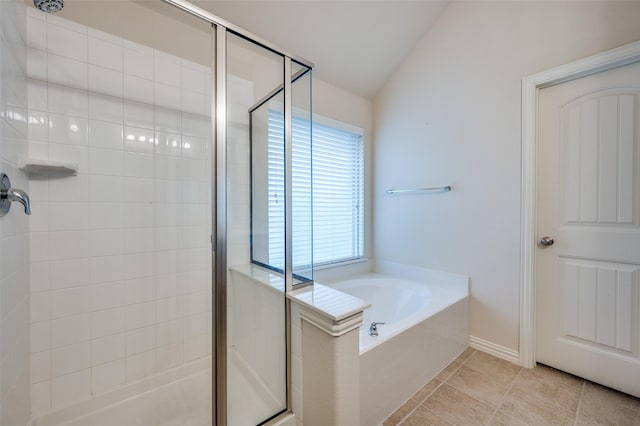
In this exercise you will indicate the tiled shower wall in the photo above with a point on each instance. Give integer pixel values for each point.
(120, 255)
(14, 227)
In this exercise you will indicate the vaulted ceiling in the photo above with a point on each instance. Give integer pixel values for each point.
(354, 44)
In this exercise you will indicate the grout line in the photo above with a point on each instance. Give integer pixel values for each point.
(505, 395)
(577, 413)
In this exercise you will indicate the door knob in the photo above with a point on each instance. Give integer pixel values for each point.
(546, 241)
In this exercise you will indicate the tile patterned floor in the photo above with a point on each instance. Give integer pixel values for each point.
(479, 389)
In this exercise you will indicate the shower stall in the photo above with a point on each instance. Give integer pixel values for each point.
(166, 156)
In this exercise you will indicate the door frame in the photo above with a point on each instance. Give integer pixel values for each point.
(531, 85)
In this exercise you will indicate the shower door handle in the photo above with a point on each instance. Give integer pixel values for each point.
(9, 195)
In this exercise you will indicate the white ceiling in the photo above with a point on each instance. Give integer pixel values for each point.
(355, 45)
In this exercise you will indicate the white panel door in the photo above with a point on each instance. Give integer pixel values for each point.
(587, 280)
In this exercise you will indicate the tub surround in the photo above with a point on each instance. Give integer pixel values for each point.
(324, 330)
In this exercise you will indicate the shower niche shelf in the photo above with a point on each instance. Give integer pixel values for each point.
(48, 167)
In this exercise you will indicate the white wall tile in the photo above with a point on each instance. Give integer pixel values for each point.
(105, 81)
(70, 301)
(39, 246)
(194, 77)
(38, 125)
(36, 33)
(71, 189)
(167, 68)
(41, 397)
(138, 139)
(169, 309)
(39, 220)
(105, 135)
(70, 330)
(67, 101)
(107, 322)
(40, 306)
(67, 72)
(39, 276)
(138, 114)
(138, 60)
(106, 161)
(68, 216)
(107, 349)
(37, 64)
(108, 376)
(139, 190)
(139, 215)
(71, 388)
(168, 120)
(101, 35)
(105, 108)
(141, 365)
(107, 215)
(107, 242)
(116, 233)
(140, 290)
(68, 130)
(69, 359)
(40, 333)
(138, 165)
(78, 155)
(167, 96)
(107, 189)
(108, 295)
(140, 315)
(70, 273)
(141, 340)
(62, 22)
(138, 89)
(40, 366)
(37, 91)
(69, 244)
(104, 53)
(169, 144)
(64, 42)
(107, 269)
(139, 240)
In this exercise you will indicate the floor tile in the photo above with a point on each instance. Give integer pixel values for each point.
(448, 371)
(466, 354)
(426, 390)
(501, 419)
(492, 366)
(457, 407)
(423, 416)
(529, 408)
(488, 388)
(604, 406)
(551, 386)
(400, 413)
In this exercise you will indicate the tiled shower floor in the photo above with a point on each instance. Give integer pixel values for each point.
(480, 389)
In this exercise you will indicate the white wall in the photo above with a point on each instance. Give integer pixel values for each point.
(451, 115)
(14, 227)
(120, 254)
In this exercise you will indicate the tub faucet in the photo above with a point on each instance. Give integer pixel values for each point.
(373, 328)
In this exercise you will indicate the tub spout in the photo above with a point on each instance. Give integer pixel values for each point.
(373, 328)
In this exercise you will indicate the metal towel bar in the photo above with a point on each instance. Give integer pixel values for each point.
(427, 190)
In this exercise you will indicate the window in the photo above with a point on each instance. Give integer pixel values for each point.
(337, 183)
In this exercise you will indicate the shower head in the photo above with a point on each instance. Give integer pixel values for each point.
(49, 6)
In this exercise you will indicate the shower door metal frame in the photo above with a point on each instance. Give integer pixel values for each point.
(220, 27)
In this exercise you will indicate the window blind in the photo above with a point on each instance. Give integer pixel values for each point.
(333, 181)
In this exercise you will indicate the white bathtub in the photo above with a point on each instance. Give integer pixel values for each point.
(426, 327)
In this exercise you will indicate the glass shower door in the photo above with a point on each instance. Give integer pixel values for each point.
(256, 364)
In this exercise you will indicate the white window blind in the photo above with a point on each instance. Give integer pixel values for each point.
(336, 174)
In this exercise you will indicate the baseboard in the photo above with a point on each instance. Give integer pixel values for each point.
(494, 349)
